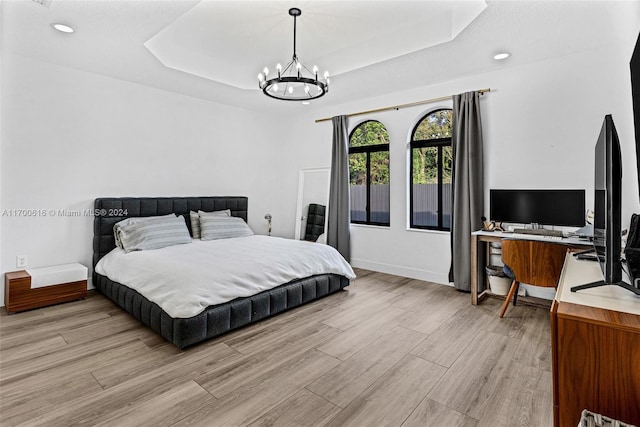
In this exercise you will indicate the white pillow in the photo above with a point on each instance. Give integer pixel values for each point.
(154, 234)
(223, 227)
(195, 220)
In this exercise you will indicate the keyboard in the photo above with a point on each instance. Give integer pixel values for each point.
(529, 236)
(538, 232)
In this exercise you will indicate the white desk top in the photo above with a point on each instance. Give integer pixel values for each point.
(578, 272)
(506, 235)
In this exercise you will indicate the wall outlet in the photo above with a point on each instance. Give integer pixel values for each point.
(21, 261)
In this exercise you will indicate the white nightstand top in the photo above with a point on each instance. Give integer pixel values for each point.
(56, 274)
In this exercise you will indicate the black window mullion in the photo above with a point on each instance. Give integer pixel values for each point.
(440, 186)
(368, 208)
(411, 215)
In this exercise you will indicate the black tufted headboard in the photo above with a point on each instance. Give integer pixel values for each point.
(109, 210)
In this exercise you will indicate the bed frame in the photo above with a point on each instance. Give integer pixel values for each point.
(217, 319)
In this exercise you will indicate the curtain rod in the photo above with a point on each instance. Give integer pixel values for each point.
(397, 107)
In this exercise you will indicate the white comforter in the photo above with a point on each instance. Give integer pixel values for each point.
(186, 279)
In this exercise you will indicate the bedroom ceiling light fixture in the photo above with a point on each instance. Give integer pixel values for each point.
(501, 56)
(62, 28)
(294, 82)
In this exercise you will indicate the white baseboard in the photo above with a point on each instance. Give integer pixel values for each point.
(399, 270)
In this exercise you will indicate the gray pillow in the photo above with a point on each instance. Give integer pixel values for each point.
(154, 234)
(223, 227)
(195, 224)
(195, 220)
(133, 220)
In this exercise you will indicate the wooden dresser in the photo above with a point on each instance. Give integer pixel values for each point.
(595, 337)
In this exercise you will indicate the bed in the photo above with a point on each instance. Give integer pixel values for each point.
(214, 319)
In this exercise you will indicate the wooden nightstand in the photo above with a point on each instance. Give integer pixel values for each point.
(39, 287)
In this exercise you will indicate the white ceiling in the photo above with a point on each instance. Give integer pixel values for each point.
(230, 42)
(215, 49)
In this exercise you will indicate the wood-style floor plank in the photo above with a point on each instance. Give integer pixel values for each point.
(366, 307)
(78, 358)
(361, 334)
(136, 364)
(26, 406)
(44, 327)
(535, 351)
(302, 409)
(391, 399)
(31, 349)
(435, 309)
(97, 407)
(230, 376)
(451, 339)
(473, 378)
(432, 414)
(348, 380)
(162, 410)
(521, 398)
(246, 404)
(386, 351)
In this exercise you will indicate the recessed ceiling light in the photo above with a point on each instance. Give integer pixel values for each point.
(502, 55)
(63, 28)
(305, 103)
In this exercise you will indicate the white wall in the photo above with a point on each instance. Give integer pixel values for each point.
(540, 121)
(70, 136)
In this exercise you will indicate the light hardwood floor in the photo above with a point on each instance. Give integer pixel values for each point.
(388, 351)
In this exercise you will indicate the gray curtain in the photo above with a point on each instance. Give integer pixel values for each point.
(338, 222)
(467, 185)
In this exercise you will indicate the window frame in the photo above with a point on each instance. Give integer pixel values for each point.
(438, 143)
(368, 149)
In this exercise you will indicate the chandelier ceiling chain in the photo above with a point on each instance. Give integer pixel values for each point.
(294, 82)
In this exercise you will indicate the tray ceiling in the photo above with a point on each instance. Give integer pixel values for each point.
(214, 49)
(230, 42)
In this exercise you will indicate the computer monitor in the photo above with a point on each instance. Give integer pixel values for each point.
(634, 65)
(544, 207)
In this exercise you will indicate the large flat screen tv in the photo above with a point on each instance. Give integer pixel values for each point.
(607, 223)
(635, 92)
(544, 207)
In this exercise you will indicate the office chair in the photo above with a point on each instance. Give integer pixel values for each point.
(533, 262)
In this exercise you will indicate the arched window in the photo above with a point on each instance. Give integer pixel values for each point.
(430, 172)
(369, 173)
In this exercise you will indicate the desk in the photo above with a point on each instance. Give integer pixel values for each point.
(486, 237)
(595, 348)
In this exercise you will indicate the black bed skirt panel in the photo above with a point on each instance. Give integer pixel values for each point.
(221, 318)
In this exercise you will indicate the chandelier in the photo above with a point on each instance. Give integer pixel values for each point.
(294, 82)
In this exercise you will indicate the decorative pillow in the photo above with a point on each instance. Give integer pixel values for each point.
(133, 220)
(215, 227)
(154, 234)
(226, 212)
(195, 220)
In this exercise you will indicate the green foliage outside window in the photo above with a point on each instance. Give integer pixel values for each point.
(367, 134)
(425, 160)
